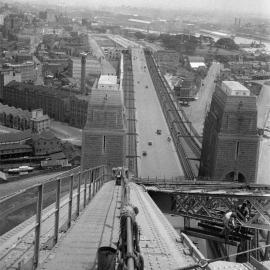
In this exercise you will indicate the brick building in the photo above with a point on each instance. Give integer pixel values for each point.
(104, 133)
(27, 70)
(14, 117)
(54, 102)
(78, 110)
(45, 144)
(14, 147)
(230, 139)
(39, 122)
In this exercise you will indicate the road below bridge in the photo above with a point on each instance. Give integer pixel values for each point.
(161, 159)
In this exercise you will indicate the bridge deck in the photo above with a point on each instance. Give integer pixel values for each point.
(160, 243)
(97, 226)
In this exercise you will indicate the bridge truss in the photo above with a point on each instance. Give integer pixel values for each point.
(208, 202)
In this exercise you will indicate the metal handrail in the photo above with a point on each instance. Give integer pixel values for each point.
(90, 180)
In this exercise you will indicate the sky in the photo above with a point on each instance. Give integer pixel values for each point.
(235, 6)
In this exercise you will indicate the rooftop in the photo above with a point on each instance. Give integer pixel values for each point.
(46, 90)
(139, 21)
(15, 146)
(15, 137)
(234, 88)
(28, 63)
(107, 79)
(106, 97)
(46, 135)
(14, 111)
(197, 64)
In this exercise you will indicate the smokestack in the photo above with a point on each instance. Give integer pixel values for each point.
(83, 70)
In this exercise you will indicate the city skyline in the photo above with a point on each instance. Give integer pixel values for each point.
(242, 6)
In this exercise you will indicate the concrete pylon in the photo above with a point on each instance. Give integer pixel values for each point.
(230, 138)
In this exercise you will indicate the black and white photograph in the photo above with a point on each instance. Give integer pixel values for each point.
(134, 135)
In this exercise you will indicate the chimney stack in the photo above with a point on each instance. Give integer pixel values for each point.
(83, 70)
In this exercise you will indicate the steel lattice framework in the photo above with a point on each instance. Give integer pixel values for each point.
(210, 201)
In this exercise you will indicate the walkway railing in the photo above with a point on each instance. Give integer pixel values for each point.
(55, 204)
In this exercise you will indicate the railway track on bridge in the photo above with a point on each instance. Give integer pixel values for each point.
(186, 146)
(129, 101)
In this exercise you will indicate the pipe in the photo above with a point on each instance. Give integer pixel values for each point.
(130, 260)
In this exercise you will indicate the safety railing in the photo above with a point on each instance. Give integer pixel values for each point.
(55, 204)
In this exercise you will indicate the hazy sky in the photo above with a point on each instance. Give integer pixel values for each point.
(251, 6)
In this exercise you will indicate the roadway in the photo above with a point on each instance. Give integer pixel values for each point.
(161, 159)
(9, 188)
(196, 112)
(125, 43)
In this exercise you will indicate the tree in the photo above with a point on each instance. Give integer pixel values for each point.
(226, 43)
(139, 35)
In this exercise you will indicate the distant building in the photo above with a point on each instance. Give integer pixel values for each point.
(195, 62)
(93, 67)
(15, 118)
(12, 75)
(14, 148)
(54, 102)
(13, 151)
(7, 76)
(46, 144)
(39, 121)
(2, 18)
(225, 74)
(22, 57)
(104, 135)
(78, 110)
(108, 82)
(27, 70)
(185, 89)
(230, 139)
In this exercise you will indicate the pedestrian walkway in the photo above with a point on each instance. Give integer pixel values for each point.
(161, 246)
(97, 226)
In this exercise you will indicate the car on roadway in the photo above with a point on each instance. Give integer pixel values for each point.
(146, 86)
(149, 143)
(144, 153)
(158, 132)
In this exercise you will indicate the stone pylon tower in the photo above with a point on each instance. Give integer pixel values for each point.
(104, 134)
(230, 139)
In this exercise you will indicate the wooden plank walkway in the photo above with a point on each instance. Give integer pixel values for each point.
(97, 226)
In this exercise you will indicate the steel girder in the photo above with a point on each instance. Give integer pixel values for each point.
(212, 205)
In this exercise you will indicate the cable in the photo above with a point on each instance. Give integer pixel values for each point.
(204, 262)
